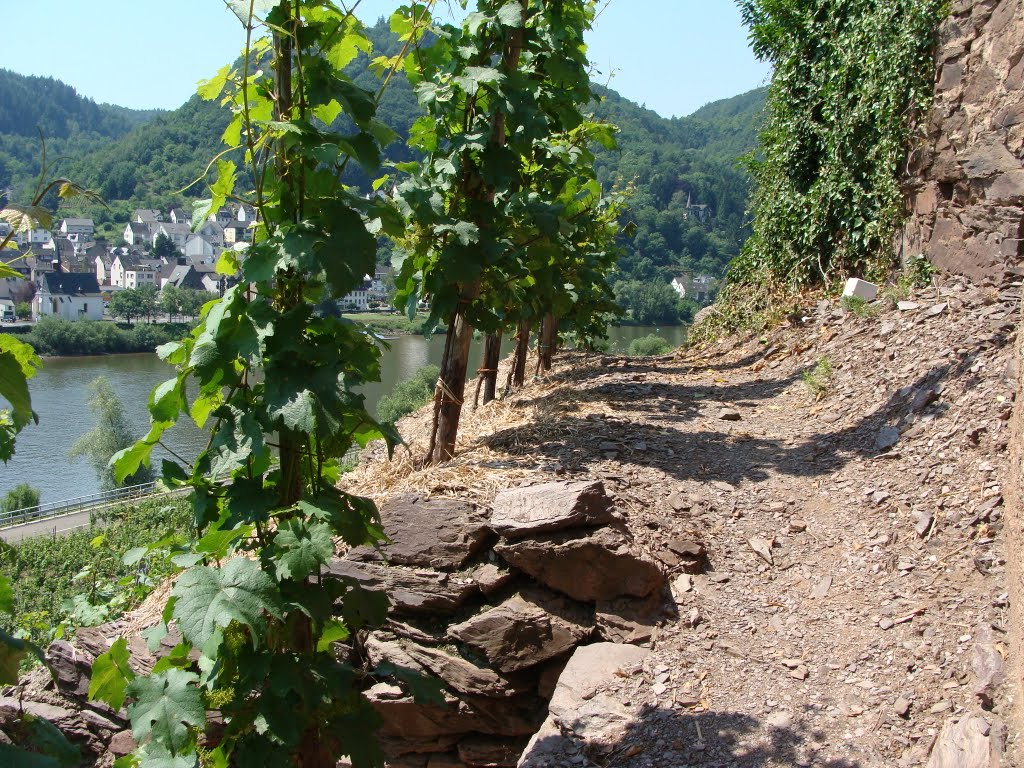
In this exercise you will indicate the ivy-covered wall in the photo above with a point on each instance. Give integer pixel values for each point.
(965, 189)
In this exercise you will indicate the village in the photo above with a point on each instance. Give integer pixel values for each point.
(72, 274)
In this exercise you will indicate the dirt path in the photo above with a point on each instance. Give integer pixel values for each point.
(853, 526)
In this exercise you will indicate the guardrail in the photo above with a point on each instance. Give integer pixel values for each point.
(97, 501)
(77, 504)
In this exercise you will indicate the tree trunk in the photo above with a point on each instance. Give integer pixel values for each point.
(548, 340)
(452, 381)
(522, 349)
(489, 369)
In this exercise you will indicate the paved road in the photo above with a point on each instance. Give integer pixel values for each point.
(50, 527)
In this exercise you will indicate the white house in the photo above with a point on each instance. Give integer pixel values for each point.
(176, 233)
(70, 295)
(136, 233)
(700, 289)
(178, 216)
(212, 231)
(36, 236)
(77, 230)
(129, 270)
(360, 298)
(200, 248)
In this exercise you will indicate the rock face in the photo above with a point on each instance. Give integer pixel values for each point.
(592, 565)
(966, 186)
(443, 534)
(520, 512)
(579, 716)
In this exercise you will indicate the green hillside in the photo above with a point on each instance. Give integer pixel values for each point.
(146, 159)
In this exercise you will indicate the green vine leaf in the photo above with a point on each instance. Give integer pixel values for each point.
(211, 598)
(302, 548)
(167, 707)
(111, 675)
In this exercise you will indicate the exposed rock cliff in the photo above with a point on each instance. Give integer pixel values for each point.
(966, 186)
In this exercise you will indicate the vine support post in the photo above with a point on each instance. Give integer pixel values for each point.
(452, 381)
(522, 348)
(548, 340)
(489, 366)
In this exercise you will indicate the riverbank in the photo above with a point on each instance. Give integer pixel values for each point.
(394, 325)
(56, 337)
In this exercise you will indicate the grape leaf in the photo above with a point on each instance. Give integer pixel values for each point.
(303, 548)
(208, 598)
(111, 675)
(166, 705)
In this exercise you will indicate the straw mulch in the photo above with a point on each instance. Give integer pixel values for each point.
(496, 447)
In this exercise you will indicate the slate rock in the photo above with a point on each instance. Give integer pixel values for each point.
(491, 578)
(886, 438)
(593, 565)
(628, 620)
(578, 713)
(464, 676)
(413, 592)
(972, 742)
(443, 534)
(519, 512)
(987, 665)
(527, 629)
(729, 414)
(428, 727)
(484, 752)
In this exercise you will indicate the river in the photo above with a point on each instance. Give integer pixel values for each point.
(60, 394)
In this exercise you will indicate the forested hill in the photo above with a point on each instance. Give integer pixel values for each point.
(675, 162)
(27, 102)
(71, 124)
(671, 162)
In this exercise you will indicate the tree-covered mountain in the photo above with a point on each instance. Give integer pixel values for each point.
(71, 124)
(688, 206)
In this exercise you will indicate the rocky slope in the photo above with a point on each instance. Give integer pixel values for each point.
(777, 551)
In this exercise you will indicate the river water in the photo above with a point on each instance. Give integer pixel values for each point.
(60, 394)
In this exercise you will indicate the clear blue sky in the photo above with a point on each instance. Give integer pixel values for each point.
(671, 55)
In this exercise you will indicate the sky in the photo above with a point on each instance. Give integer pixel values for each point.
(673, 56)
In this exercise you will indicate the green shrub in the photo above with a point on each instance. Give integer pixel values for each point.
(409, 395)
(21, 496)
(56, 336)
(651, 344)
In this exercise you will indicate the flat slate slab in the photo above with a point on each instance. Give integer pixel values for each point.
(411, 592)
(443, 534)
(519, 512)
(599, 564)
(527, 629)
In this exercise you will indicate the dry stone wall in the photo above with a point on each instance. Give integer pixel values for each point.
(966, 182)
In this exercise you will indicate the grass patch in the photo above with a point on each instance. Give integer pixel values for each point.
(819, 378)
(410, 395)
(859, 306)
(79, 578)
(386, 325)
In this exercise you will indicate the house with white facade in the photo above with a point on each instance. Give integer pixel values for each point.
(69, 295)
(77, 230)
(359, 299)
(199, 248)
(136, 233)
(179, 216)
(176, 233)
(130, 270)
(700, 289)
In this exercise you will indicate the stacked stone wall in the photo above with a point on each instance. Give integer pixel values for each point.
(966, 179)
